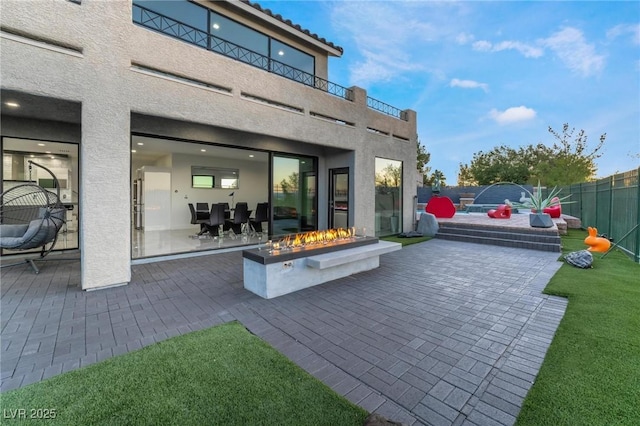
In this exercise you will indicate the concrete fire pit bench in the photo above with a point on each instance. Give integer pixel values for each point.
(274, 273)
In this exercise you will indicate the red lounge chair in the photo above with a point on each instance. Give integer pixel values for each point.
(502, 212)
(440, 207)
(554, 210)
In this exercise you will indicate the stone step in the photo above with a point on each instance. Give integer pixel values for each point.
(531, 245)
(534, 238)
(572, 221)
(549, 238)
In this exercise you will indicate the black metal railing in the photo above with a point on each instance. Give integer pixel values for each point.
(386, 108)
(169, 26)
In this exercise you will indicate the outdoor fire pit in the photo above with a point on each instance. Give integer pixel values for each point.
(307, 259)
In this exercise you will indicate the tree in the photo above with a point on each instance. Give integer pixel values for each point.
(389, 177)
(501, 164)
(289, 188)
(441, 177)
(423, 160)
(567, 161)
(465, 178)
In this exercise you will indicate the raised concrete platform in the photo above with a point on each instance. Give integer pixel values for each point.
(276, 279)
(513, 232)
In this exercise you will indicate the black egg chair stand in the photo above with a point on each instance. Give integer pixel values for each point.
(31, 217)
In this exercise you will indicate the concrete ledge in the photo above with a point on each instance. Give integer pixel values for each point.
(337, 258)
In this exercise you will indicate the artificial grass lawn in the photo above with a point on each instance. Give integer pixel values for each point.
(591, 373)
(221, 375)
(405, 241)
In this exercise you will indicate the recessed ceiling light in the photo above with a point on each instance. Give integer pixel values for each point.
(281, 52)
(53, 156)
(134, 151)
(251, 155)
(48, 152)
(203, 150)
(140, 143)
(32, 156)
(40, 144)
(216, 26)
(12, 104)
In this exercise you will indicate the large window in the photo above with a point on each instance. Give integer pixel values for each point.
(388, 181)
(293, 57)
(198, 25)
(25, 160)
(183, 11)
(239, 34)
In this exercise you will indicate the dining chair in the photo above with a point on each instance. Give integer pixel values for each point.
(216, 222)
(195, 220)
(262, 215)
(240, 218)
(202, 211)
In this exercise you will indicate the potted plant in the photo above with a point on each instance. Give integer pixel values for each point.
(537, 203)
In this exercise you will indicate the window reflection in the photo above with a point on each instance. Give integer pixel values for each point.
(239, 34)
(294, 195)
(291, 56)
(183, 11)
(388, 199)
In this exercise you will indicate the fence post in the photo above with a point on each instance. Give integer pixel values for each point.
(580, 205)
(637, 253)
(612, 181)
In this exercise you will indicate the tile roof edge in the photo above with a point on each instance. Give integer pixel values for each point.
(292, 25)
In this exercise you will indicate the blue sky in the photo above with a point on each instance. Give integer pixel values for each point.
(483, 74)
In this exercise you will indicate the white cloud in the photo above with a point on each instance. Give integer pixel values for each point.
(391, 41)
(528, 51)
(482, 46)
(464, 38)
(512, 115)
(384, 36)
(623, 29)
(469, 84)
(571, 48)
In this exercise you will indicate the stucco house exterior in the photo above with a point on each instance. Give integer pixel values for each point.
(223, 100)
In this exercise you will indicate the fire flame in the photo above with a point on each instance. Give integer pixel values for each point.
(313, 238)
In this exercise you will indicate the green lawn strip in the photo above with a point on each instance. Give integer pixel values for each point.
(405, 241)
(221, 375)
(591, 373)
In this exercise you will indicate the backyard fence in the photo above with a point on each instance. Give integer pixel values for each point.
(612, 205)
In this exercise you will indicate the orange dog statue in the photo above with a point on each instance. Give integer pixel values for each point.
(596, 243)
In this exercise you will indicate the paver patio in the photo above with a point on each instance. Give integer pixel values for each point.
(442, 333)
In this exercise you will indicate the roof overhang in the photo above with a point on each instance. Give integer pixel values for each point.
(287, 26)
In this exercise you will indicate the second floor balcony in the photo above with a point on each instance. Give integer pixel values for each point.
(169, 26)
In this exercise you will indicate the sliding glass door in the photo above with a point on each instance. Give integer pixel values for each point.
(294, 194)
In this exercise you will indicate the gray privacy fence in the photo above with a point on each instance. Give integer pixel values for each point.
(612, 205)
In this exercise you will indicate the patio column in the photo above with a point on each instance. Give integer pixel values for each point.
(105, 194)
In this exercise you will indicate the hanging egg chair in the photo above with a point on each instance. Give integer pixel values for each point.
(30, 218)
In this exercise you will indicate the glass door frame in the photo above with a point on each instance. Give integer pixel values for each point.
(332, 196)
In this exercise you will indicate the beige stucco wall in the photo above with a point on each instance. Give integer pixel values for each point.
(99, 75)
